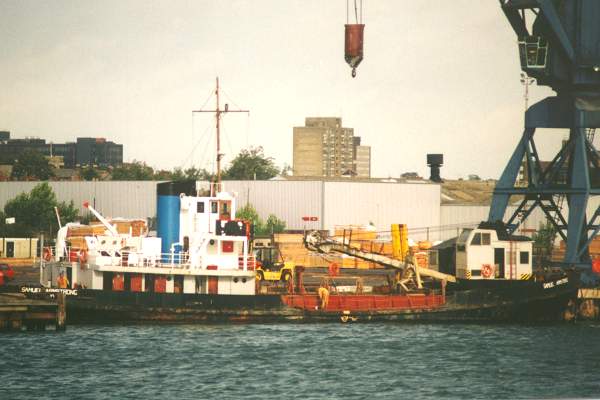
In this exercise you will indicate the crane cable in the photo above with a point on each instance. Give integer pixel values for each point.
(356, 13)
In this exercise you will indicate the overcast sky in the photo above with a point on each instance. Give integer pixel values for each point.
(438, 76)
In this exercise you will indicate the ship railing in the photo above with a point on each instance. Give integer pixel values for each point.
(120, 258)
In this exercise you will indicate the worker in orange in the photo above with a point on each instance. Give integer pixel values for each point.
(62, 282)
(323, 293)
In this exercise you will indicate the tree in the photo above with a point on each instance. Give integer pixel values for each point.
(32, 165)
(251, 164)
(543, 240)
(90, 174)
(248, 213)
(286, 170)
(134, 171)
(34, 213)
(198, 174)
(273, 224)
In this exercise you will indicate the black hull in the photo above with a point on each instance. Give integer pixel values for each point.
(468, 301)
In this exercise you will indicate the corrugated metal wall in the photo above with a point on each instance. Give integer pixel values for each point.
(417, 205)
(131, 199)
(454, 217)
(334, 203)
(287, 200)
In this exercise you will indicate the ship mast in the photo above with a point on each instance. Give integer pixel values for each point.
(218, 111)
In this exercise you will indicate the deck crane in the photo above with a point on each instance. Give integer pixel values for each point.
(410, 272)
(559, 46)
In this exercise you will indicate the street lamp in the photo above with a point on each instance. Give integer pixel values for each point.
(526, 81)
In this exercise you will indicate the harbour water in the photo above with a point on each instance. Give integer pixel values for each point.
(303, 361)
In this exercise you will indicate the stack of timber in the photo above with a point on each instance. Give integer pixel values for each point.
(358, 237)
(76, 234)
(291, 247)
(18, 262)
(558, 253)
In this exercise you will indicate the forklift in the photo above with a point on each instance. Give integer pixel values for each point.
(270, 265)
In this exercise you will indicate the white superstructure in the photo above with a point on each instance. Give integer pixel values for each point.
(481, 254)
(211, 255)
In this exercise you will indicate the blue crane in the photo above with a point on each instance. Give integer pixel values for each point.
(559, 46)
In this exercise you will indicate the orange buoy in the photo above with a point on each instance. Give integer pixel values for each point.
(354, 45)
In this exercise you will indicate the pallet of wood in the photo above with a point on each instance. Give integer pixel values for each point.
(18, 262)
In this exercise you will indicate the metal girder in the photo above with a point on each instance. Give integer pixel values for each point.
(578, 156)
(549, 15)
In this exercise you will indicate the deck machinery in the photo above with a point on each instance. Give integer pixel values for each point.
(559, 46)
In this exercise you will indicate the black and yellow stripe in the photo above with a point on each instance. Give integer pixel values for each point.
(525, 277)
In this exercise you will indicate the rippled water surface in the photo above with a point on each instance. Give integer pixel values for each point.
(332, 361)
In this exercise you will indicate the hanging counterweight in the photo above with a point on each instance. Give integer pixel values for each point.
(354, 45)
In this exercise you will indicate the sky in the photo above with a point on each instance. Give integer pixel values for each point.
(437, 77)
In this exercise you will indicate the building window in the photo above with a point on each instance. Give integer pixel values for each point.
(200, 207)
(524, 257)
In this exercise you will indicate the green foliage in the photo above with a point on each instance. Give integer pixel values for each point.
(198, 174)
(32, 165)
(273, 224)
(248, 213)
(543, 240)
(193, 173)
(134, 171)
(34, 213)
(140, 171)
(90, 174)
(251, 164)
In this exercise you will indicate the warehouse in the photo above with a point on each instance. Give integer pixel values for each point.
(333, 203)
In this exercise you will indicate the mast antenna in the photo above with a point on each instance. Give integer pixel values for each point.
(218, 111)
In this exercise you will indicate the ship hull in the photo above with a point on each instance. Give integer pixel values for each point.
(517, 301)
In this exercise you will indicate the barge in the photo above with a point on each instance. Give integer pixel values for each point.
(201, 268)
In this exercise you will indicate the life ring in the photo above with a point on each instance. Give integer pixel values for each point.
(487, 271)
(83, 256)
(47, 254)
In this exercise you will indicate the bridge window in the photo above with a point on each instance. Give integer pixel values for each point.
(481, 239)
(524, 257)
(533, 51)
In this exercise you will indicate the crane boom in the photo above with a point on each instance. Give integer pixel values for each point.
(314, 241)
(111, 229)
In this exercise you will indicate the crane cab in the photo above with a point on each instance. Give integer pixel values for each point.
(490, 253)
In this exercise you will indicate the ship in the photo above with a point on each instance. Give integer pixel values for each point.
(201, 268)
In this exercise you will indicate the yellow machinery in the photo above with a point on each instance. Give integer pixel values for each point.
(270, 265)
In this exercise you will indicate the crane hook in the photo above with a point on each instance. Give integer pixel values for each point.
(353, 72)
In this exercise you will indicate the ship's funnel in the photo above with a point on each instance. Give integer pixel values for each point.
(168, 205)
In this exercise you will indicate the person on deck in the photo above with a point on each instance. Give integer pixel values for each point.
(62, 282)
(323, 293)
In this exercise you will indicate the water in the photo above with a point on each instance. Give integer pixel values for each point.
(325, 361)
